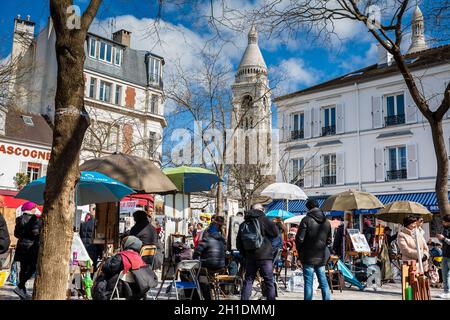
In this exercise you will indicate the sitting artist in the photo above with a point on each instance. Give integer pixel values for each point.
(126, 260)
(211, 252)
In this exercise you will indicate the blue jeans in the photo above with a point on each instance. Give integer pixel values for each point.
(446, 273)
(308, 276)
(265, 268)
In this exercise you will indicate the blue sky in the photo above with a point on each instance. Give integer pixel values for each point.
(300, 62)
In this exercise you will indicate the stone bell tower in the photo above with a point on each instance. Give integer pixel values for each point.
(252, 125)
(252, 96)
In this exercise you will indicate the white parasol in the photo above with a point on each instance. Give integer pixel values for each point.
(295, 220)
(285, 191)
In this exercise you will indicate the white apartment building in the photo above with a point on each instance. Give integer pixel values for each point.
(123, 92)
(363, 130)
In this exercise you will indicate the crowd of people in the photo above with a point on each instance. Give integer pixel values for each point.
(259, 242)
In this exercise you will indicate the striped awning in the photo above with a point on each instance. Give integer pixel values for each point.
(427, 199)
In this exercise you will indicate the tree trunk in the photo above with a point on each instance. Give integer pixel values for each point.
(442, 166)
(71, 122)
(219, 198)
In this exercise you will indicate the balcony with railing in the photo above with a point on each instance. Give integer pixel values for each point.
(328, 131)
(394, 120)
(328, 180)
(396, 174)
(297, 134)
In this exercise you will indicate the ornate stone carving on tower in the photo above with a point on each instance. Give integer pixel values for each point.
(252, 115)
(418, 42)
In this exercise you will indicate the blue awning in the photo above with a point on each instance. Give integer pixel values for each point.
(427, 199)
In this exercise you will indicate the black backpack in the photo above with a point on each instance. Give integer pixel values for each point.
(251, 235)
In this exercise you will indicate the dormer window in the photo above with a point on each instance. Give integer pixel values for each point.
(92, 47)
(154, 70)
(105, 52)
(117, 56)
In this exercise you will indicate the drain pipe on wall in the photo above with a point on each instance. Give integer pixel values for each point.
(357, 104)
(358, 133)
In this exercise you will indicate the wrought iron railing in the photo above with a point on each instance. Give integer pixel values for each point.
(394, 120)
(328, 131)
(297, 134)
(328, 180)
(396, 174)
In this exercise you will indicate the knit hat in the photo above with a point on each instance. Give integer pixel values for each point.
(27, 206)
(132, 243)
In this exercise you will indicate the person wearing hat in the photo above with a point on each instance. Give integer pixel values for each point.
(27, 231)
(126, 260)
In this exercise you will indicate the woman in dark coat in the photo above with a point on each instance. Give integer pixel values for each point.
(27, 231)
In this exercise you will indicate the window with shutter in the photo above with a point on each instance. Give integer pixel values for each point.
(379, 165)
(377, 112)
(308, 173)
(33, 170)
(394, 107)
(307, 120)
(340, 118)
(328, 169)
(412, 166)
(411, 109)
(340, 172)
(316, 121)
(396, 166)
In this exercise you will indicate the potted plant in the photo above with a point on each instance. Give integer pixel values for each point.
(21, 179)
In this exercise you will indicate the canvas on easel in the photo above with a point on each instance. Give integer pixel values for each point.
(107, 224)
(359, 241)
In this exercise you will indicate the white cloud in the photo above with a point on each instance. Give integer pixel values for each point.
(291, 74)
(353, 62)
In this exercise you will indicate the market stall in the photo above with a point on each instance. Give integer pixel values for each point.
(357, 255)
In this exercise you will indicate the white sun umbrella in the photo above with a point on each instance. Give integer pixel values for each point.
(285, 191)
(295, 220)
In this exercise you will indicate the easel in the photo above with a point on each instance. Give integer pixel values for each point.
(170, 261)
(419, 283)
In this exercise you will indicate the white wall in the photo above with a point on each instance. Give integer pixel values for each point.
(360, 138)
(11, 163)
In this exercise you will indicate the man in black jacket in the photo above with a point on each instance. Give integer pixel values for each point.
(312, 241)
(4, 236)
(261, 258)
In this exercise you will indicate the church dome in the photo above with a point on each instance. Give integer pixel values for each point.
(252, 60)
(417, 15)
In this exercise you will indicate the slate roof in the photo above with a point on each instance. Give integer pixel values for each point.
(133, 68)
(417, 60)
(16, 129)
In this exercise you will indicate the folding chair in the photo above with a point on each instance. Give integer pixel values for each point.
(127, 277)
(335, 277)
(192, 267)
(149, 251)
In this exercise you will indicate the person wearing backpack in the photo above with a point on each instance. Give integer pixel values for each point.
(254, 242)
